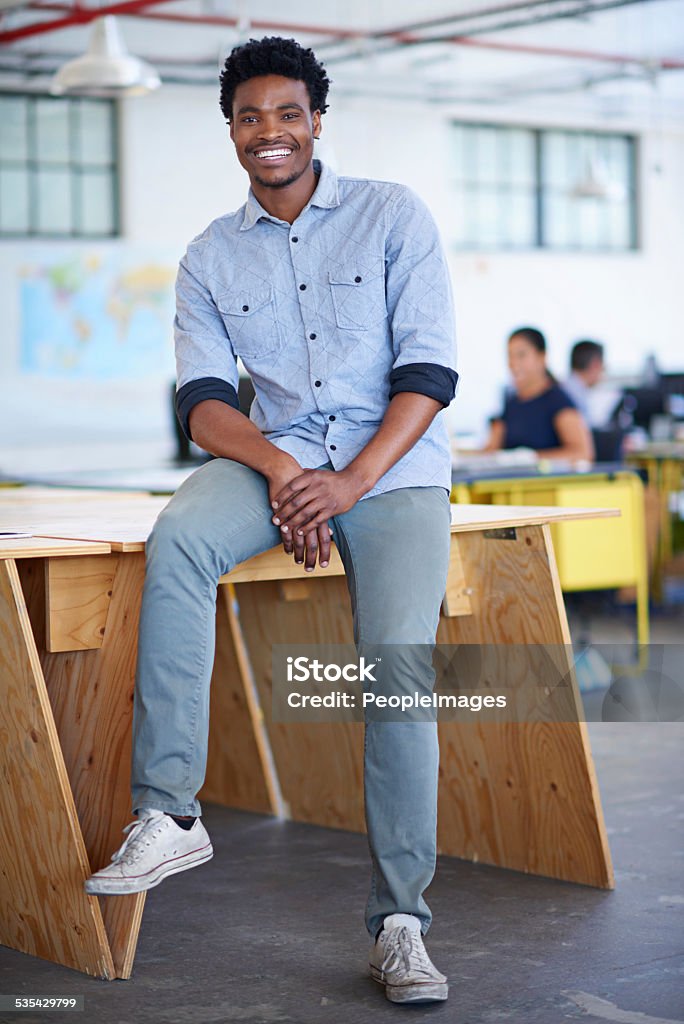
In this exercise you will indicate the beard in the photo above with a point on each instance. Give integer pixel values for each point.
(283, 182)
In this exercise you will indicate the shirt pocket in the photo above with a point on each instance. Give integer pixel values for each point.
(358, 297)
(251, 322)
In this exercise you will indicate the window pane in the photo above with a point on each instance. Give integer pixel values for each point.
(487, 155)
(13, 140)
(52, 131)
(487, 202)
(587, 217)
(518, 213)
(57, 166)
(54, 201)
(586, 190)
(618, 226)
(94, 133)
(557, 221)
(97, 215)
(521, 149)
(494, 175)
(14, 200)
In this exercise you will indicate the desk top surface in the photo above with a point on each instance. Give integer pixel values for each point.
(124, 521)
(474, 472)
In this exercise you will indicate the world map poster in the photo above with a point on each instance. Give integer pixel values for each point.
(95, 316)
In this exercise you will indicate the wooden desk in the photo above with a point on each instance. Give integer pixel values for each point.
(518, 795)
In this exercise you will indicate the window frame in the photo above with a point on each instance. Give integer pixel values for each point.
(540, 226)
(74, 166)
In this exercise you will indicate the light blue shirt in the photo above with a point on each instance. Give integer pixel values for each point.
(331, 315)
(579, 392)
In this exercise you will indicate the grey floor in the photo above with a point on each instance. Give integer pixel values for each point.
(271, 931)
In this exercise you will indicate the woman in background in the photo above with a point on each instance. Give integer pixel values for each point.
(539, 414)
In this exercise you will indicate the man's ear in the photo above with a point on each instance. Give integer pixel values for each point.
(316, 123)
(231, 132)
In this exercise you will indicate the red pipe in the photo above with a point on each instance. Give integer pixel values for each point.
(79, 16)
(138, 8)
(664, 63)
(83, 15)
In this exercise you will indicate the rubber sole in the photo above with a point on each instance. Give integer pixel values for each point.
(122, 887)
(429, 992)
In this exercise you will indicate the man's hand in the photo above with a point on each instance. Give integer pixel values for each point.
(306, 502)
(317, 542)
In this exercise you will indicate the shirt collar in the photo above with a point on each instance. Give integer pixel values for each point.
(326, 196)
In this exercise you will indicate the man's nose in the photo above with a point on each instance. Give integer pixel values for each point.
(270, 130)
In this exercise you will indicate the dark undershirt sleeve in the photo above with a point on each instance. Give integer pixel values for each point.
(431, 379)
(196, 391)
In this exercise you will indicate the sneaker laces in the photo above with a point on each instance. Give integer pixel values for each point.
(403, 949)
(138, 837)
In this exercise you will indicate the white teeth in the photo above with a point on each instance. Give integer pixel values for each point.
(272, 154)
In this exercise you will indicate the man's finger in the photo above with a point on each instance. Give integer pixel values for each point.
(311, 542)
(299, 544)
(288, 542)
(314, 523)
(298, 516)
(298, 483)
(323, 545)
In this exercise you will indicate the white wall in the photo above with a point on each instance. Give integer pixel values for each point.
(179, 171)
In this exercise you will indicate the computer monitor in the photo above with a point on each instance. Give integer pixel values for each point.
(641, 405)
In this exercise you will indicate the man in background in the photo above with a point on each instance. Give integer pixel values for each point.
(586, 371)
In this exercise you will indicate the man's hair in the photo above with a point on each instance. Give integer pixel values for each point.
(273, 55)
(584, 353)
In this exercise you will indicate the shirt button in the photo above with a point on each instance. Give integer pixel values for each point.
(317, 383)
(312, 337)
(245, 309)
(302, 287)
(357, 279)
(333, 447)
(331, 418)
(294, 239)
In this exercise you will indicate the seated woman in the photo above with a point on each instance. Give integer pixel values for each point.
(539, 414)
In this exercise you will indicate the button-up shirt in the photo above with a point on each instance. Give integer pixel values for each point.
(331, 316)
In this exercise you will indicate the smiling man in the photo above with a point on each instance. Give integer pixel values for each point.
(334, 291)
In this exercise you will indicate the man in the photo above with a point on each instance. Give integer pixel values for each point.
(335, 294)
(586, 370)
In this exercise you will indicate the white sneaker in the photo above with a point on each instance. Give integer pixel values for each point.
(399, 961)
(154, 848)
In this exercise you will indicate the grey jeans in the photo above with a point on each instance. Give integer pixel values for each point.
(395, 550)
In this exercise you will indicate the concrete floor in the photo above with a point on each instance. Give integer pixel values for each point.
(271, 931)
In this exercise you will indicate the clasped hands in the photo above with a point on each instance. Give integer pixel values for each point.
(303, 506)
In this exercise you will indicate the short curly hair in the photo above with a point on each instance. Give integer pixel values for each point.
(273, 55)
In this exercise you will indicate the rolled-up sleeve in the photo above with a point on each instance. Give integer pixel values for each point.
(419, 303)
(206, 365)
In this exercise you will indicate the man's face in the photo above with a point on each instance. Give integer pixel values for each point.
(594, 371)
(273, 129)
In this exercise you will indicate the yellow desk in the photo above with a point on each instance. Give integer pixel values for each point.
(521, 795)
(591, 555)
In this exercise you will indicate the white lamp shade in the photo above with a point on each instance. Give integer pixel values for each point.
(107, 69)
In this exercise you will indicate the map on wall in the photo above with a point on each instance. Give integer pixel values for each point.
(89, 315)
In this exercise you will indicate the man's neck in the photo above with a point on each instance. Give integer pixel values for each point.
(288, 202)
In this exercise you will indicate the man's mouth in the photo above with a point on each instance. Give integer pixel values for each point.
(267, 156)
